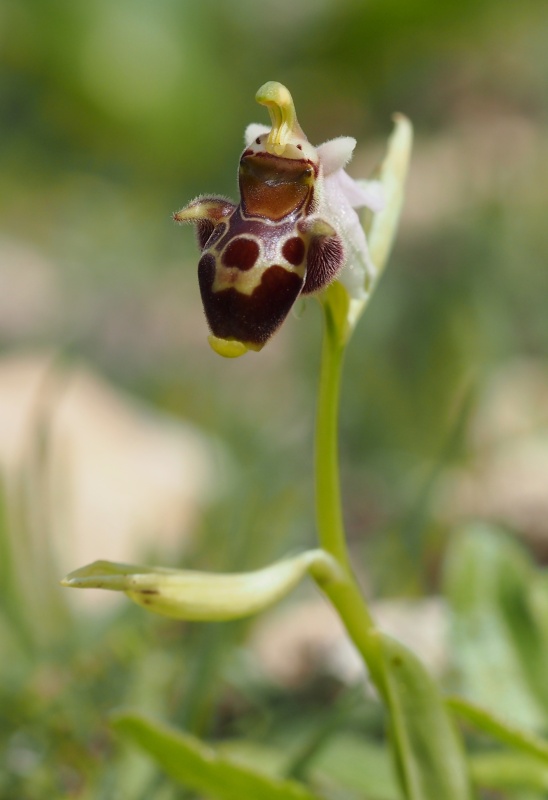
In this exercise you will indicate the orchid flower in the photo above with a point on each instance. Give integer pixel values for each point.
(295, 231)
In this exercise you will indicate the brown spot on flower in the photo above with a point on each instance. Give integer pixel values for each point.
(293, 251)
(241, 253)
(249, 318)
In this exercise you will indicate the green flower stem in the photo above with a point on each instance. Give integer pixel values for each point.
(329, 518)
(427, 749)
(344, 594)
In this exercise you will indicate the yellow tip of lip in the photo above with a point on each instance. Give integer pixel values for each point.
(228, 348)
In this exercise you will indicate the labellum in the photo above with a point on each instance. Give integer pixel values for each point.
(285, 238)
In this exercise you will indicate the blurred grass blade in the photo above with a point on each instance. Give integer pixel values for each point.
(499, 729)
(498, 632)
(347, 766)
(359, 766)
(198, 766)
(204, 596)
(429, 754)
(504, 772)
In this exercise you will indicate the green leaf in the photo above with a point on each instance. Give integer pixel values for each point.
(205, 596)
(499, 634)
(499, 729)
(429, 754)
(201, 767)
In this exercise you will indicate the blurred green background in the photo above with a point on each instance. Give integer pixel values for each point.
(113, 115)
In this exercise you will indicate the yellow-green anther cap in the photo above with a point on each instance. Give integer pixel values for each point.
(285, 127)
(203, 596)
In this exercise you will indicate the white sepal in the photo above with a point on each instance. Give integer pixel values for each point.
(253, 131)
(341, 195)
(336, 153)
(371, 193)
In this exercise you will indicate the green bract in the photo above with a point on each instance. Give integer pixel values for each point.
(350, 293)
(205, 596)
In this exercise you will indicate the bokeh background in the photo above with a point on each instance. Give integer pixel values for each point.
(122, 435)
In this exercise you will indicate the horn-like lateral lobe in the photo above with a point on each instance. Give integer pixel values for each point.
(205, 213)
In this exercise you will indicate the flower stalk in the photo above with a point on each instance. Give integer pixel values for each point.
(342, 304)
(345, 594)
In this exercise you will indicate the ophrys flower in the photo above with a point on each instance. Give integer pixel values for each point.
(291, 234)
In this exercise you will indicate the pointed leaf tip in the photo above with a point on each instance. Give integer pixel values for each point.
(202, 596)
